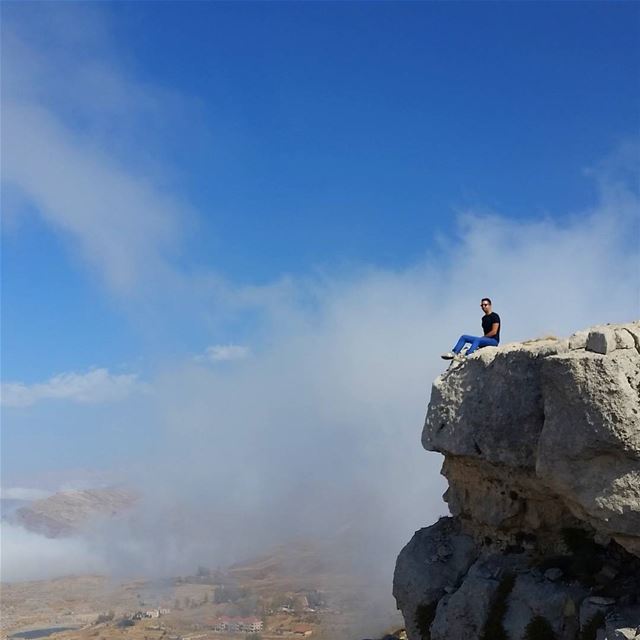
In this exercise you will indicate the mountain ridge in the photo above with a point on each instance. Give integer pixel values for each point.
(65, 513)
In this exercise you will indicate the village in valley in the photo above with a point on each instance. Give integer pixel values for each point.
(296, 590)
(255, 601)
(199, 610)
(203, 619)
(221, 607)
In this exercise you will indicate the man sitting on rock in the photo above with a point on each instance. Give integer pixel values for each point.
(491, 338)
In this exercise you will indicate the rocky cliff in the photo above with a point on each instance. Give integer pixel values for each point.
(541, 444)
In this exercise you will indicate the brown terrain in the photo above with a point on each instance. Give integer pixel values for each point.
(326, 607)
(298, 590)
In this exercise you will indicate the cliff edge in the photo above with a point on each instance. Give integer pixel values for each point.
(542, 453)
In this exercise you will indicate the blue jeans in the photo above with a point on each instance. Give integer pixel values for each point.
(476, 342)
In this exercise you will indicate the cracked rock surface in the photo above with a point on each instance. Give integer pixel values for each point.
(542, 453)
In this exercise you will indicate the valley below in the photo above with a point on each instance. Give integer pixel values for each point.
(264, 598)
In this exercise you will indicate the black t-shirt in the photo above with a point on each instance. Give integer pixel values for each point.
(488, 321)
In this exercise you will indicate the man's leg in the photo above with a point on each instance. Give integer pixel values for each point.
(461, 342)
(480, 342)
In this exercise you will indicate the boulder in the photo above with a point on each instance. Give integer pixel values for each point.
(463, 614)
(601, 341)
(434, 560)
(553, 601)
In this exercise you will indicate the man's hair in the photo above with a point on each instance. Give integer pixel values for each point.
(486, 300)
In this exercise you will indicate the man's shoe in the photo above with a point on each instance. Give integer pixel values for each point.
(448, 356)
(459, 357)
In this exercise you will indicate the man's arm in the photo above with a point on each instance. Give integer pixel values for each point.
(494, 330)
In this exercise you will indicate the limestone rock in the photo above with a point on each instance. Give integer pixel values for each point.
(550, 600)
(463, 614)
(591, 606)
(544, 417)
(633, 330)
(624, 339)
(506, 504)
(578, 340)
(601, 341)
(490, 408)
(542, 453)
(627, 633)
(422, 575)
(589, 446)
(624, 623)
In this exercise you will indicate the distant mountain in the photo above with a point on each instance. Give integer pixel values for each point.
(67, 512)
(296, 560)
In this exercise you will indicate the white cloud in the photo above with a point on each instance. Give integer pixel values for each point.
(319, 431)
(224, 353)
(94, 387)
(29, 556)
(121, 223)
(87, 179)
(23, 493)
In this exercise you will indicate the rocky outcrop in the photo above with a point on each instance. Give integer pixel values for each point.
(542, 453)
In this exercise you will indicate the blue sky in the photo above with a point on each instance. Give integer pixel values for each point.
(254, 222)
(359, 127)
(321, 135)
